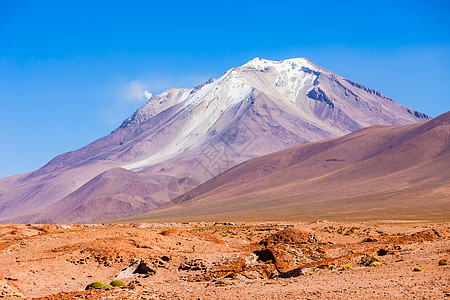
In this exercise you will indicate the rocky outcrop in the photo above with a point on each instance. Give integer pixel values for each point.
(139, 267)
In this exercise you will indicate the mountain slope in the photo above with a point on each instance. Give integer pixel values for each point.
(378, 172)
(260, 107)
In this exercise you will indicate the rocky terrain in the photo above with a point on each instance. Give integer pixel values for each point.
(192, 135)
(273, 260)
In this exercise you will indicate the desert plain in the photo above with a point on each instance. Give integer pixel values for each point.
(206, 260)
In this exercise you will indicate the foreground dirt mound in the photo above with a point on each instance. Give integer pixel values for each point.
(292, 236)
(289, 249)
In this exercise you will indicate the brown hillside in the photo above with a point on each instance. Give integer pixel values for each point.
(379, 172)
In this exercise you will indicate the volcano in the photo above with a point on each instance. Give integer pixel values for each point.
(184, 137)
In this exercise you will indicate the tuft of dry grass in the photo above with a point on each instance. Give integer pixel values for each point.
(369, 260)
(345, 267)
(443, 262)
(418, 269)
(376, 263)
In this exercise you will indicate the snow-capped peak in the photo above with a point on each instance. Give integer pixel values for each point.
(283, 65)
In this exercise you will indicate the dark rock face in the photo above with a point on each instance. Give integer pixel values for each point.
(309, 71)
(317, 94)
(371, 91)
(418, 114)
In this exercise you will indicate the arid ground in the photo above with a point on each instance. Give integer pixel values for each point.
(309, 260)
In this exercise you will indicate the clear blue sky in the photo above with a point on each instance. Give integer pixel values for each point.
(71, 71)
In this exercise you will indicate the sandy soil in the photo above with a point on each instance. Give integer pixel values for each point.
(314, 260)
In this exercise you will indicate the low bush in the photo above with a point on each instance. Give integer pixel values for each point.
(95, 285)
(117, 283)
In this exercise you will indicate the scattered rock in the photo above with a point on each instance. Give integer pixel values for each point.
(192, 265)
(382, 252)
(138, 267)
